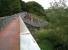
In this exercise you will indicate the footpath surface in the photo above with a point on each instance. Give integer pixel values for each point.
(9, 36)
(16, 36)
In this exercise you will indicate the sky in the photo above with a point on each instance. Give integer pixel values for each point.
(44, 3)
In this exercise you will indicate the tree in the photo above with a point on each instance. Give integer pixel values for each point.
(34, 7)
(9, 7)
(58, 25)
(58, 4)
(23, 6)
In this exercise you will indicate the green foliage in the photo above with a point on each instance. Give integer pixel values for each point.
(41, 36)
(46, 45)
(57, 32)
(23, 6)
(9, 7)
(34, 7)
(58, 24)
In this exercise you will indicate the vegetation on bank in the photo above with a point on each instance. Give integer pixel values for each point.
(55, 36)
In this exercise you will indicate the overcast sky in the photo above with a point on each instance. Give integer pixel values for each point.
(44, 3)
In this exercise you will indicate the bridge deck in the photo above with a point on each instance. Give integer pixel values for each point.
(9, 35)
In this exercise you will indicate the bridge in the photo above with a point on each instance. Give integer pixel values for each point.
(27, 18)
(13, 28)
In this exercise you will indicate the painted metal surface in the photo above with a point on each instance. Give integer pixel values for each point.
(27, 41)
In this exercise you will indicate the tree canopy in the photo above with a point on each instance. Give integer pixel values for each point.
(58, 25)
(34, 7)
(9, 7)
(23, 6)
